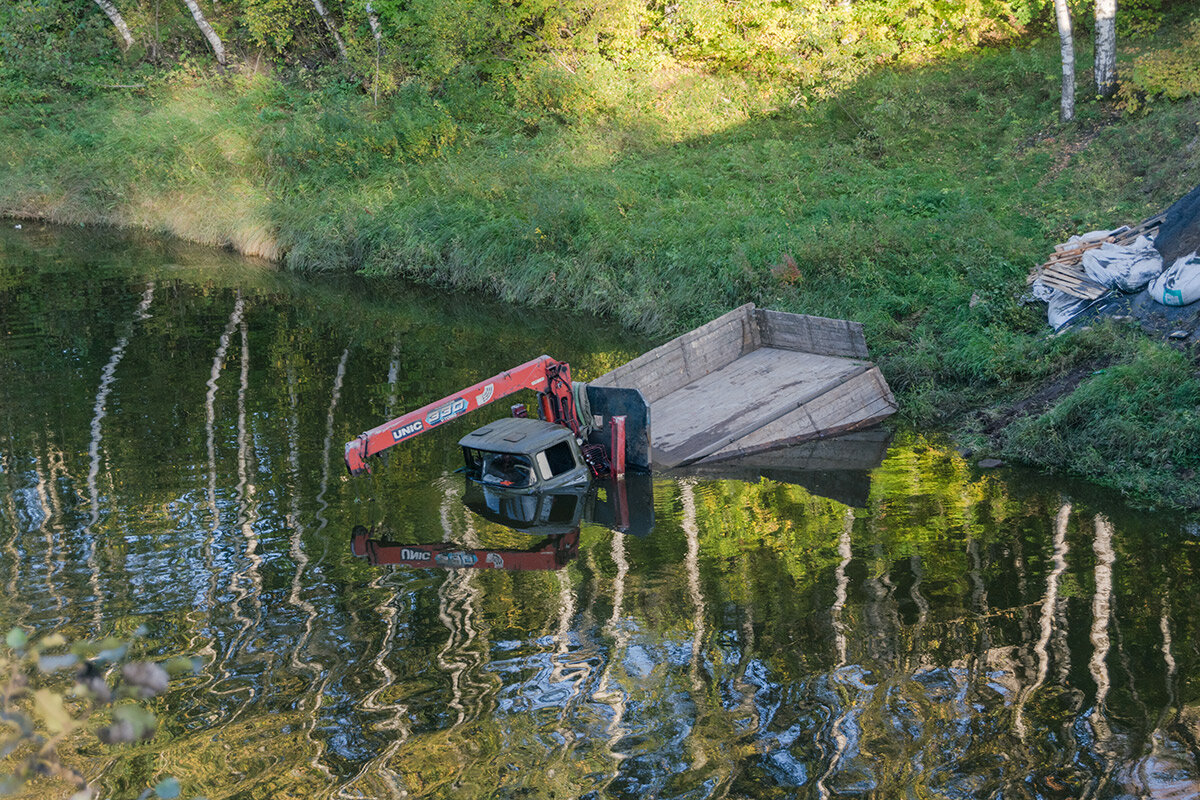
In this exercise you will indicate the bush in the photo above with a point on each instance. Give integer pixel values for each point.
(1167, 74)
(41, 716)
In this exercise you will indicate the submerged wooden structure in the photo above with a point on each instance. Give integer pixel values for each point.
(754, 380)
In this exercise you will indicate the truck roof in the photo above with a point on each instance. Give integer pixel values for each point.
(516, 435)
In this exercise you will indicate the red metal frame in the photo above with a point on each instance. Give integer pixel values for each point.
(550, 378)
(617, 449)
(554, 553)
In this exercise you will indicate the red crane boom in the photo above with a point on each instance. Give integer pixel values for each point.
(549, 378)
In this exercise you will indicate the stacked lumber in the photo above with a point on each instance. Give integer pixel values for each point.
(1064, 269)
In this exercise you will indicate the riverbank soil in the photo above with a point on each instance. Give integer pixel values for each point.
(913, 198)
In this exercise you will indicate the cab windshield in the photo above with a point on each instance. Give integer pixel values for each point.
(505, 469)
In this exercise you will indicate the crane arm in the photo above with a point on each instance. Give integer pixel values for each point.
(554, 552)
(543, 374)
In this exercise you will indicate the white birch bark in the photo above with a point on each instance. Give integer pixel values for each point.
(337, 38)
(1106, 48)
(1063, 16)
(113, 13)
(207, 30)
(373, 18)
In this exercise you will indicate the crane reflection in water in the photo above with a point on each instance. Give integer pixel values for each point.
(906, 628)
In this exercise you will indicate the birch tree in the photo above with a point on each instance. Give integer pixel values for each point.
(373, 18)
(113, 13)
(1067, 44)
(1106, 48)
(337, 38)
(201, 23)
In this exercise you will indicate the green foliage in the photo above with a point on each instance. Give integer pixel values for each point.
(1166, 74)
(1137, 423)
(50, 45)
(273, 23)
(41, 716)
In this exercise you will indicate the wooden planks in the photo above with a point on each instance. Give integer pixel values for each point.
(1064, 269)
(680, 361)
(754, 379)
(862, 400)
(739, 399)
(1072, 279)
(820, 335)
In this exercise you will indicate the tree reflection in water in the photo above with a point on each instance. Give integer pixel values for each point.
(956, 635)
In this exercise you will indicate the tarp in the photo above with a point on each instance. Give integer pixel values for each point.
(1180, 231)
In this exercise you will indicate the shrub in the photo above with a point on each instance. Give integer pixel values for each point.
(1169, 74)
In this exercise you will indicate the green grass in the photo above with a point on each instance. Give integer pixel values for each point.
(1137, 424)
(900, 201)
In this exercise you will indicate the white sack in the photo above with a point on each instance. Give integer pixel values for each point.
(1090, 236)
(1179, 285)
(1125, 267)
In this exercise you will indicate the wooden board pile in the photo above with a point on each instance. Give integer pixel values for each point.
(1064, 269)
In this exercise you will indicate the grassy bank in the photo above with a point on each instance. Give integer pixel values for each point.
(915, 201)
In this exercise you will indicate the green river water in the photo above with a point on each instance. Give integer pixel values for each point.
(171, 429)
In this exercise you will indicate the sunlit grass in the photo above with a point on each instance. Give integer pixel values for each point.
(914, 201)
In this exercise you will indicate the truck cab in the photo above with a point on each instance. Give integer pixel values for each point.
(524, 456)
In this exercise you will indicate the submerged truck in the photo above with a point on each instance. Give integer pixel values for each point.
(750, 381)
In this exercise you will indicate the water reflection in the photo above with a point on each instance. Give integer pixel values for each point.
(549, 552)
(928, 632)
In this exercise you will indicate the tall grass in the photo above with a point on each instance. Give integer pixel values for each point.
(915, 201)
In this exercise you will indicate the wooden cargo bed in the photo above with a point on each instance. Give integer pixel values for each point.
(753, 380)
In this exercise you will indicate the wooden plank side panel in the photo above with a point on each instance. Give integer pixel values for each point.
(725, 406)
(715, 349)
(859, 402)
(857, 450)
(820, 335)
(673, 365)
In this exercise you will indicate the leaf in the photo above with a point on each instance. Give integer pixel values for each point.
(182, 664)
(147, 678)
(113, 654)
(16, 639)
(49, 706)
(109, 649)
(53, 640)
(55, 663)
(131, 723)
(167, 789)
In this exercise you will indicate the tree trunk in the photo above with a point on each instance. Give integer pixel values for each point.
(1106, 48)
(337, 38)
(1063, 15)
(375, 31)
(373, 18)
(206, 29)
(110, 10)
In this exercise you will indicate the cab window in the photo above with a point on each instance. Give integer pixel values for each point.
(506, 469)
(559, 459)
